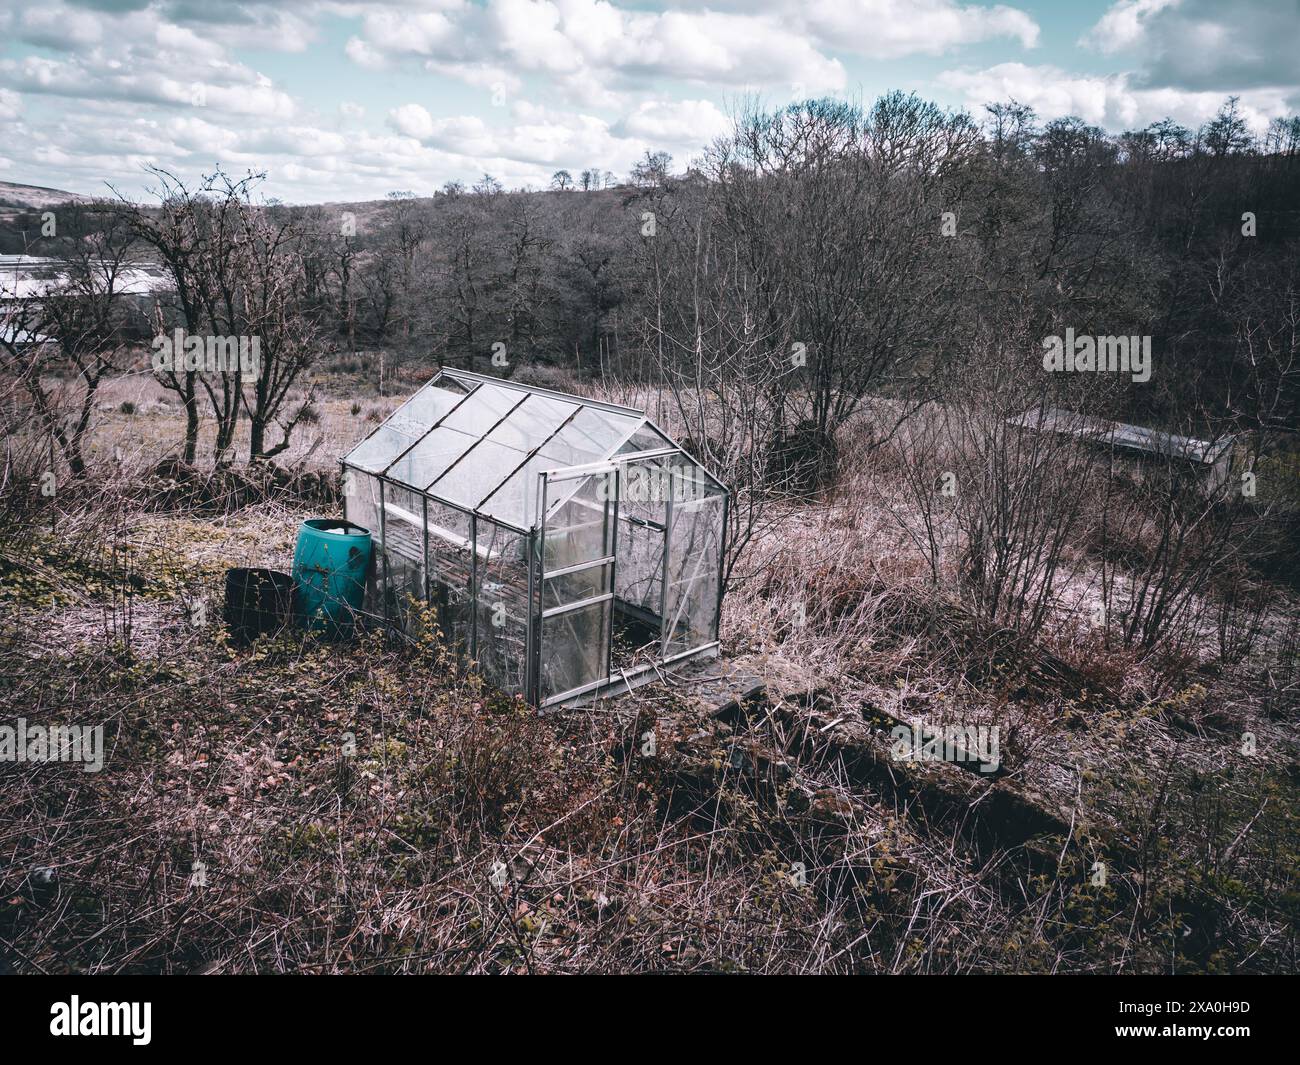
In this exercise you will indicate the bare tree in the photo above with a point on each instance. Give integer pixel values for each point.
(76, 316)
(176, 231)
(652, 170)
(273, 311)
(238, 277)
(528, 242)
(722, 350)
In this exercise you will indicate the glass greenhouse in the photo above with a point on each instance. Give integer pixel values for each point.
(567, 546)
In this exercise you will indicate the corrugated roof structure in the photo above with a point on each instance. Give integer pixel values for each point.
(1134, 438)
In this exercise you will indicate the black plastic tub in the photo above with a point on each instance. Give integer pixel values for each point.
(259, 602)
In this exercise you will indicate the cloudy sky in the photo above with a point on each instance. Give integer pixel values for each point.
(350, 100)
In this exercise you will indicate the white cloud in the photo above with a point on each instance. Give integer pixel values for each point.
(194, 134)
(410, 33)
(301, 142)
(889, 29)
(686, 122)
(82, 151)
(590, 48)
(217, 85)
(180, 41)
(412, 120)
(1204, 45)
(1048, 90)
(288, 25)
(596, 50)
(530, 32)
(59, 28)
(1111, 100)
(363, 55)
(541, 139)
(1124, 25)
(11, 104)
(481, 75)
(586, 82)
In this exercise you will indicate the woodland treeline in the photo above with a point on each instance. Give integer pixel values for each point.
(818, 255)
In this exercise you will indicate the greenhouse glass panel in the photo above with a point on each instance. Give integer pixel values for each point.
(579, 529)
(647, 438)
(502, 613)
(427, 407)
(477, 474)
(484, 407)
(517, 500)
(429, 459)
(592, 433)
(406, 425)
(405, 595)
(361, 500)
(375, 452)
(641, 534)
(361, 507)
(532, 423)
(451, 573)
(587, 437)
(573, 586)
(690, 601)
(575, 648)
(402, 544)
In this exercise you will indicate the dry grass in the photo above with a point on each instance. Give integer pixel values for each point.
(367, 807)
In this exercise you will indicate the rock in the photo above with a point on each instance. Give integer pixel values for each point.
(831, 806)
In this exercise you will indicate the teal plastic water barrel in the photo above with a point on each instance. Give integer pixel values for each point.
(329, 573)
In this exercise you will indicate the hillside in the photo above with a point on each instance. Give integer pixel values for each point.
(34, 196)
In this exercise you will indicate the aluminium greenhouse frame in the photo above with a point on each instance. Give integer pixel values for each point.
(568, 546)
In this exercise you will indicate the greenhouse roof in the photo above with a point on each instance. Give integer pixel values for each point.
(479, 443)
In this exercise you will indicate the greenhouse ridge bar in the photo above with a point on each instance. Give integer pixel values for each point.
(567, 545)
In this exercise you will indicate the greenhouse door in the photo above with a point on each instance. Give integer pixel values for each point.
(639, 575)
(695, 529)
(575, 580)
(671, 527)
